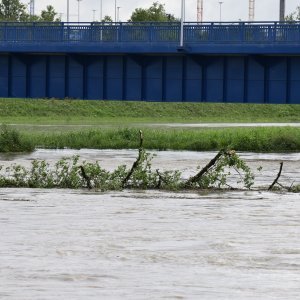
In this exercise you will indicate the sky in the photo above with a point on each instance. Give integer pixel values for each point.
(232, 10)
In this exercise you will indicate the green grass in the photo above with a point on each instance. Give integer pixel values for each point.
(114, 125)
(41, 111)
(241, 139)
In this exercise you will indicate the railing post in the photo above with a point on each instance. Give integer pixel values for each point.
(62, 31)
(68, 32)
(5, 32)
(120, 28)
(33, 31)
(210, 34)
(150, 28)
(242, 31)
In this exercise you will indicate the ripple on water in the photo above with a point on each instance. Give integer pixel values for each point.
(62, 244)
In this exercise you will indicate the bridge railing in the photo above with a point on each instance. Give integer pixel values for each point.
(155, 32)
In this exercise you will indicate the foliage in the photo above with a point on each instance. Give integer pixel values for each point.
(294, 16)
(155, 13)
(295, 189)
(107, 19)
(218, 173)
(242, 139)
(12, 10)
(268, 139)
(49, 15)
(11, 141)
(66, 173)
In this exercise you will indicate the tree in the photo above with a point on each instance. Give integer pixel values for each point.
(107, 19)
(12, 10)
(294, 16)
(49, 15)
(155, 13)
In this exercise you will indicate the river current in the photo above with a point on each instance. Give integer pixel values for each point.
(65, 244)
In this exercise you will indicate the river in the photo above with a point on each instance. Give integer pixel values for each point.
(69, 244)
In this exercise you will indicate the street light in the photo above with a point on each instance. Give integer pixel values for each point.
(94, 11)
(100, 10)
(281, 10)
(115, 10)
(220, 2)
(68, 11)
(118, 13)
(182, 21)
(78, 10)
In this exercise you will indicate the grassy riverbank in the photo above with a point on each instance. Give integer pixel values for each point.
(115, 124)
(60, 112)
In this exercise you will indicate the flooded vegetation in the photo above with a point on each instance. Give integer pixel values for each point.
(107, 169)
(75, 174)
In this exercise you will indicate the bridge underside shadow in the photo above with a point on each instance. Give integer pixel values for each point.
(169, 78)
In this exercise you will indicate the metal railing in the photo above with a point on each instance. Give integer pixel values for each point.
(155, 32)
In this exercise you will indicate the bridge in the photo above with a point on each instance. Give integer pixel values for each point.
(257, 62)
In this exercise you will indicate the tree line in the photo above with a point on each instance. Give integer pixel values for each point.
(14, 10)
(294, 16)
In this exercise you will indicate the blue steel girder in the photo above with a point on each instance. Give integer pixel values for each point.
(197, 78)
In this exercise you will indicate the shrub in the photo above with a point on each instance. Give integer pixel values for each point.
(11, 141)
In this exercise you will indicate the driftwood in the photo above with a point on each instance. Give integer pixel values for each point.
(87, 178)
(205, 169)
(277, 178)
(137, 162)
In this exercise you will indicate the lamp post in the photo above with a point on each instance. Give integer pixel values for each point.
(182, 21)
(100, 10)
(118, 13)
(94, 11)
(68, 11)
(220, 2)
(115, 10)
(281, 10)
(78, 10)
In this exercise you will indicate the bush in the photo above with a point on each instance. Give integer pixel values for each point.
(11, 141)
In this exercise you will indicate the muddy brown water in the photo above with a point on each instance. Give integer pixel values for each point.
(66, 244)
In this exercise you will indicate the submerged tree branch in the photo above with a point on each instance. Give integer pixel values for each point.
(204, 170)
(87, 178)
(137, 162)
(277, 178)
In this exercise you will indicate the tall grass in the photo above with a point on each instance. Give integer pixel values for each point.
(241, 139)
(260, 139)
(12, 141)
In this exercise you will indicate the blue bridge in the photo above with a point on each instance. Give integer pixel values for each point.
(218, 62)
